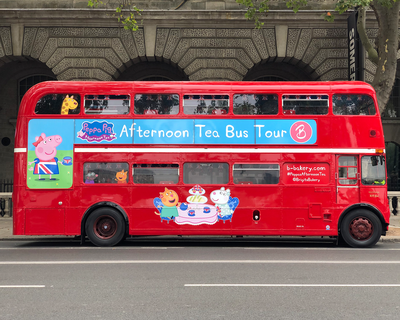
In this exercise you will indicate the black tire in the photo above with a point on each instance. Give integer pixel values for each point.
(361, 228)
(105, 227)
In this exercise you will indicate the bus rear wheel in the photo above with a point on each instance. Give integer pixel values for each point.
(105, 227)
(361, 228)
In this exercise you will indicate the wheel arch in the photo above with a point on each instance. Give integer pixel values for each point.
(102, 205)
(364, 206)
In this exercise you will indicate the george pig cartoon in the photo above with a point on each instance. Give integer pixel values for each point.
(46, 162)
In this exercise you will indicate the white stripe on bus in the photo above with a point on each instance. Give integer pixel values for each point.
(348, 186)
(218, 150)
(225, 150)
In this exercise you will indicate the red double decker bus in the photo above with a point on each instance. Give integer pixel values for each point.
(106, 160)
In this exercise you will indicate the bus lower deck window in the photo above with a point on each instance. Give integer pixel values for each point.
(348, 170)
(373, 170)
(155, 173)
(205, 173)
(105, 172)
(256, 173)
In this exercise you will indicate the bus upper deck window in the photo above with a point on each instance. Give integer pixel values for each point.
(255, 104)
(156, 104)
(63, 104)
(107, 104)
(305, 104)
(353, 104)
(206, 104)
(373, 170)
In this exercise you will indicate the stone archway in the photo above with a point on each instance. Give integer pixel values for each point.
(152, 71)
(10, 75)
(279, 71)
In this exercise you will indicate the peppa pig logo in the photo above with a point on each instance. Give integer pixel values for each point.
(301, 131)
(97, 131)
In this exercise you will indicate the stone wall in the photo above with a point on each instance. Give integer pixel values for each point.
(188, 40)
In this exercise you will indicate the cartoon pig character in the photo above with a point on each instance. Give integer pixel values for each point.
(221, 199)
(46, 162)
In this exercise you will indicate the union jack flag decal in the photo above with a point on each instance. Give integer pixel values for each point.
(46, 167)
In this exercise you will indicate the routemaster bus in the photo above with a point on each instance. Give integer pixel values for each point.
(109, 160)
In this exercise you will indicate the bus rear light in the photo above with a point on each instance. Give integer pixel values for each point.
(380, 151)
(372, 134)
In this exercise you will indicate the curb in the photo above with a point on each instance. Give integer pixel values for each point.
(392, 239)
(6, 234)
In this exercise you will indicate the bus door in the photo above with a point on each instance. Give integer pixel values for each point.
(347, 179)
(307, 195)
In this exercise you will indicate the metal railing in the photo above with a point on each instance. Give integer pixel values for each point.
(6, 188)
(6, 200)
(6, 185)
(394, 197)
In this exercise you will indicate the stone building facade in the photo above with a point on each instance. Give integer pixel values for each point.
(177, 40)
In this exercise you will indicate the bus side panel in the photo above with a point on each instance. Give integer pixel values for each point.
(18, 219)
(377, 197)
(17, 197)
(308, 211)
(74, 214)
(45, 211)
(145, 218)
(259, 210)
(119, 194)
(44, 221)
(360, 138)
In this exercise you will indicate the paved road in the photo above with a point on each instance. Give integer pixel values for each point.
(188, 279)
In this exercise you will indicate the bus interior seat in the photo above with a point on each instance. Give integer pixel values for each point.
(145, 179)
(245, 182)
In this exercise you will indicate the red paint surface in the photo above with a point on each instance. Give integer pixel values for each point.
(286, 208)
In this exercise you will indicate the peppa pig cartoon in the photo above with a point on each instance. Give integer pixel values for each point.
(224, 203)
(46, 162)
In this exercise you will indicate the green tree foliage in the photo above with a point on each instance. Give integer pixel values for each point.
(126, 12)
(383, 53)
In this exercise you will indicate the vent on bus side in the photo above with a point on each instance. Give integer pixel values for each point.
(256, 215)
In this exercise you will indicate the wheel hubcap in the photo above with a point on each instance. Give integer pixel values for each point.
(361, 228)
(105, 227)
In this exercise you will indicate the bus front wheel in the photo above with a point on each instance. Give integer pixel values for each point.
(361, 228)
(105, 227)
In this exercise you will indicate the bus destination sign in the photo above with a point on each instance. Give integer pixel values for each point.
(198, 131)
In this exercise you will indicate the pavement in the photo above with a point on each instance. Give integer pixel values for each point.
(6, 228)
